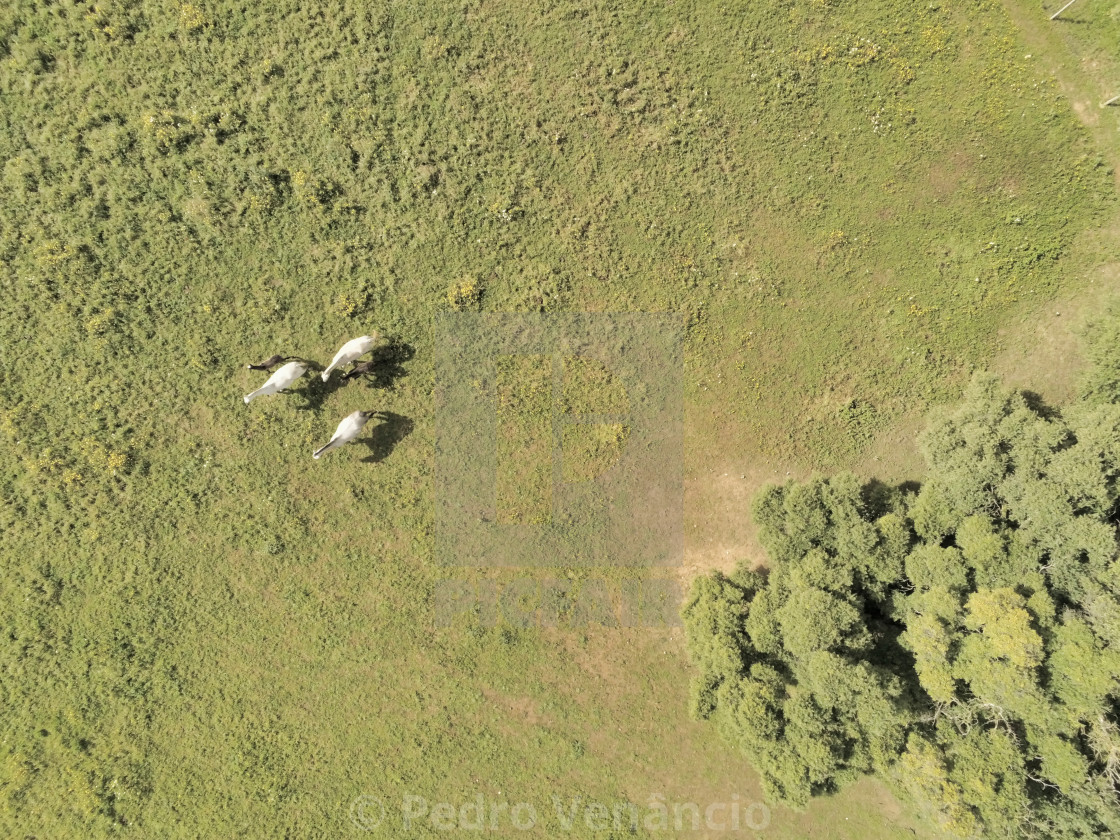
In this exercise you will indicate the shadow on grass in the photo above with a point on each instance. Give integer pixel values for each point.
(386, 365)
(315, 391)
(385, 437)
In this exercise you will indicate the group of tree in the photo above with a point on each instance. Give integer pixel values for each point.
(960, 639)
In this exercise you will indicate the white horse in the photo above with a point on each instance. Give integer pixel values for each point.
(348, 429)
(350, 351)
(279, 381)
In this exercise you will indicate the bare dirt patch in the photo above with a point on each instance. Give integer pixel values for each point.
(719, 530)
(946, 176)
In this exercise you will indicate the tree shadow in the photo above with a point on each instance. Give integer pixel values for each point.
(1038, 405)
(878, 497)
(386, 436)
(910, 487)
(388, 364)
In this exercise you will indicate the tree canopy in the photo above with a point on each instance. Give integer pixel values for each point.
(960, 639)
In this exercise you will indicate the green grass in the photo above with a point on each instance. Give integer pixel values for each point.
(1092, 33)
(205, 632)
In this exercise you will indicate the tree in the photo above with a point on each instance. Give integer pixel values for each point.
(961, 641)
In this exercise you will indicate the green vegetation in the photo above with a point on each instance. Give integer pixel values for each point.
(962, 641)
(1092, 32)
(205, 633)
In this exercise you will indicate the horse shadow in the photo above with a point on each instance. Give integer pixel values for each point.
(385, 436)
(315, 391)
(388, 365)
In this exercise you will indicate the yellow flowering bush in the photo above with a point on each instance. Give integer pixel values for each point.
(464, 294)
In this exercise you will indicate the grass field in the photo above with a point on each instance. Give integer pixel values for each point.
(208, 634)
